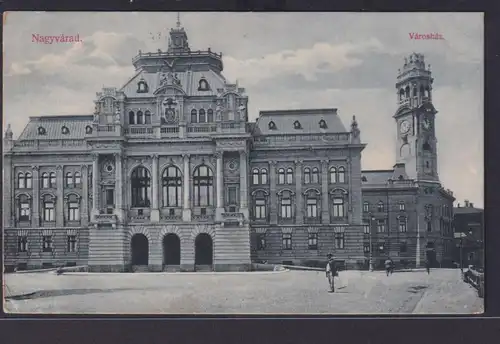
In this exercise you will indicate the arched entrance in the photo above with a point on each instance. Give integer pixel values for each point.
(140, 249)
(430, 252)
(171, 249)
(203, 249)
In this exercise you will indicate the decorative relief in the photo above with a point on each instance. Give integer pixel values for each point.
(232, 165)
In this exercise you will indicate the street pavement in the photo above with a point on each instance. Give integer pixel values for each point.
(280, 292)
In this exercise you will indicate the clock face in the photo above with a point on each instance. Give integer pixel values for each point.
(404, 127)
(427, 123)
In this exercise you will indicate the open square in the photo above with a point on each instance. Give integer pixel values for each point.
(298, 292)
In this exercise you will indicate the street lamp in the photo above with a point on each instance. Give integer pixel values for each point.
(372, 218)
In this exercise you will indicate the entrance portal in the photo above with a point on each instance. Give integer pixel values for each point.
(203, 249)
(171, 249)
(140, 249)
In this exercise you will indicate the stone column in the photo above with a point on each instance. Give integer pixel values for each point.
(84, 203)
(8, 204)
(325, 206)
(273, 199)
(60, 197)
(243, 185)
(186, 206)
(299, 197)
(119, 187)
(35, 219)
(219, 186)
(95, 185)
(155, 212)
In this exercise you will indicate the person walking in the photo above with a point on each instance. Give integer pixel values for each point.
(388, 266)
(331, 272)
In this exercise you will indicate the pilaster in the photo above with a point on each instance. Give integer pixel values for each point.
(325, 206)
(244, 184)
(8, 194)
(35, 219)
(220, 196)
(119, 188)
(155, 212)
(299, 199)
(95, 185)
(273, 205)
(186, 210)
(59, 196)
(84, 216)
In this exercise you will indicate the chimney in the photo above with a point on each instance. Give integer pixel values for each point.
(466, 203)
(471, 205)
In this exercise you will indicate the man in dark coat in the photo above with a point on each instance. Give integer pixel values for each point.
(428, 266)
(331, 272)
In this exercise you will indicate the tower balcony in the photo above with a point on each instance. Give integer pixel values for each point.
(107, 130)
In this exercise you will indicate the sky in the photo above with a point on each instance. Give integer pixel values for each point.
(347, 61)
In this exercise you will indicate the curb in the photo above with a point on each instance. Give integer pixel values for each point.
(175, 273)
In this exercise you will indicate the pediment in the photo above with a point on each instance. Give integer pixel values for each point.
(171, 90)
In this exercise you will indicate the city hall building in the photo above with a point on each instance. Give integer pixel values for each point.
(169, 174)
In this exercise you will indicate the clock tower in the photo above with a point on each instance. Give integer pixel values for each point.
(415, 120)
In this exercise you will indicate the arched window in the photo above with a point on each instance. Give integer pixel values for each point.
(286, 205)
(141, 187)
(401, 94)
(263, 176)
(380, 206)
(73, 208)
(210, 115)
(52, 180)
(201, 116)
(108, 105)
(401, 206)
(69, 179)
(333, 175)
(255, 176)
(272, 125)
(203, 85)
(194, 116)
(20, 181)
(322, 124)
(312, 204)
(139, 117)
(407, 92)
(260, 206)
(78, 179)
(142, 87)
(147, 117)
(203, 182)
(366, 206)
(289, 175)
(24, 208)
(28, 179)
(341, 175)
(172, 187)
(48, 208)
(281, 176)
(338, 207)
(88, 129)
(45, 180)
(315, 176)
(307, 175)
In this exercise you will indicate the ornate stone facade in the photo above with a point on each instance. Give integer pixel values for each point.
(169, 174)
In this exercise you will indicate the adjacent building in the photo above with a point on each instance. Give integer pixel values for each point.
(169, 174)
(469, 235)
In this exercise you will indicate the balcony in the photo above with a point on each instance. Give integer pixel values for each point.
(201, 129)
(106, 219)
(233, 217)
(139, 131)
(312, 220)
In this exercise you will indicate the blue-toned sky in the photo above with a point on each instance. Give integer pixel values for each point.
(348, 61)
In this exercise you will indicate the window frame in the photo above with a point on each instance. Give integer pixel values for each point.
(312, 241)
(203, 183)
(286, 241)
(171, 182)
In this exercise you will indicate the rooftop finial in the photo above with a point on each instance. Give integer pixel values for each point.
(178, 20)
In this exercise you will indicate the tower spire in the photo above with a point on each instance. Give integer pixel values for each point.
(178, 20)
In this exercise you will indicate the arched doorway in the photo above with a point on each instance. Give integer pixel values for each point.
(203, 249)
(140, 249)
(171, 249)
(430, 252)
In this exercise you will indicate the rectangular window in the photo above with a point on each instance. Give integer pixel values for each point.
(366, 227)
(313, 241)
(381, 247)
(255, 178)
(338, 207)
(22, 244)
(380, 226)
(260, 209)
(261, 241)
(48, 212)
(73, 211)
(110, 197)
(366, 207)
(402, 225)
(24, 211)
(71, 243)
(286, 241)
(366, 248)
(231, 192)
(47, 243)
(286, 208)
(380, 207)
(429, 226)
(401, 206)
(312, 208)
(339, 237)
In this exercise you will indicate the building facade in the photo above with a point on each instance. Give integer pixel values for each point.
(468, 224)
(168, 174)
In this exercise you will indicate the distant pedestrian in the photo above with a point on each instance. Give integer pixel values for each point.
(331, 272)
(389, 266)
(428, 266)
